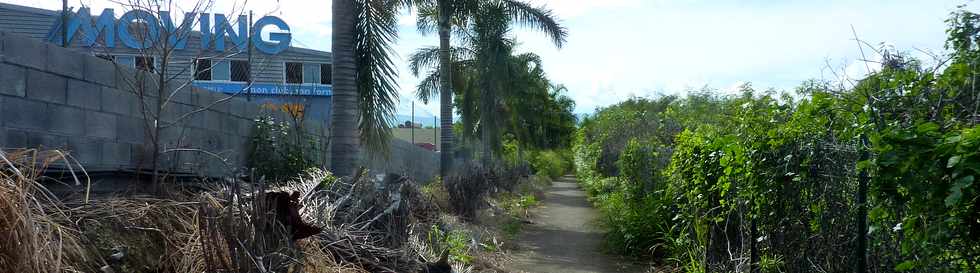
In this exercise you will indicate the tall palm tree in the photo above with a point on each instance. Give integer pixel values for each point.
(364, 87)
(344, 136)
(443, 15)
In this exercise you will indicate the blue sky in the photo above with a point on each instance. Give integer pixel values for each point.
(622, 48)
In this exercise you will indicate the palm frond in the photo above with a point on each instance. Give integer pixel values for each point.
(427, 58)
(540, 18)
(376, 78)
(429, 87)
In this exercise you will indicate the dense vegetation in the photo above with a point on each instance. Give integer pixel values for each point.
(878, 175)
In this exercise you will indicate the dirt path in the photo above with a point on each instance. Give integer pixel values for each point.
(563, 237)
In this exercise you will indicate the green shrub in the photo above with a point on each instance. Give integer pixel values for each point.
(635, 227)
(551, 163)
(279, 151)
(456, 242)
(636, 168)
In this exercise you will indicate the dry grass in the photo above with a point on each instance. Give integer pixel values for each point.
(222, 230)
(33, 237)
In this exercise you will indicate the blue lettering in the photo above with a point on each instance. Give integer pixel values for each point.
(83, 20)
(177, 36)
(222, 27)
(148, 37)
(280, 40)
(205, 30)
(149, 27)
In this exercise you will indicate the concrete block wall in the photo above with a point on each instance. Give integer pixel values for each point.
(407, 159)
(56, 98)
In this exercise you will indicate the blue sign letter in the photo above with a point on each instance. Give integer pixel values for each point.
(281, 39)
(149, 36)
(221, 27)
(83, 19)
(177, 37)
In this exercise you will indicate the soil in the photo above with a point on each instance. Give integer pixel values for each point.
(563, 237)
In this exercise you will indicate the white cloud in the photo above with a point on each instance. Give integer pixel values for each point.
(568, 9)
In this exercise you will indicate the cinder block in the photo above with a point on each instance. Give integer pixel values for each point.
(101, 125)
(24, 113)
(99, 71)
(222, 102)
(13, 80)
(245, 127)
(197, 119)
(15, 139)
(214, 141)
(172, 137)
(131, 130)
(212, 120)
(148, 109)
(46, 86)
(46, 141)
(237, 107)
(229, 124)
(176, 111)
(66, 120)
(252, 112)
(87, 151)
(24, 51)
(142, 155)
(183, 95)
(126, 79)
(203, 98)
(66, 62)
(118, 102)
(116, 154)
(85, 95)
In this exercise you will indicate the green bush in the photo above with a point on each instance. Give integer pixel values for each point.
(279, 151)
(551, 163)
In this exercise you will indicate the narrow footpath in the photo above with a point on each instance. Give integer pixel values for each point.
(563, 237)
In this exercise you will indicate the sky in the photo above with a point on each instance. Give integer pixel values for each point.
(622, 48)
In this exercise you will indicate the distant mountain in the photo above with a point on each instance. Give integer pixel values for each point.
(425, 121)
(404, 113)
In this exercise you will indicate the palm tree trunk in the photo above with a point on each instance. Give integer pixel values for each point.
(344, 135)
(445, 94)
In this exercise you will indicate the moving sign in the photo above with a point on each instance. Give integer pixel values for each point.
(155, 28)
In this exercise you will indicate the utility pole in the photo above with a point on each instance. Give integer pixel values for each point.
(435, 132)
(64, 23)
(251, 33)
(413, 122)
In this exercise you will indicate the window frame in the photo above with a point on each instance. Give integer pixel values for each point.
(197, 70)
(329, 75)
(153, 63)
(231, 70)
(285, 72)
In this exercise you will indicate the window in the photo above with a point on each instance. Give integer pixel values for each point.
(126, 61)
(203, 70)
(325, 74)
(239, 71)
(294, 72)
(144, 63)
(106, 57)
(311, 73)
(220, 71)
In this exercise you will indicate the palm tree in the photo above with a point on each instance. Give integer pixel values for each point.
(344, 137)
(462, 14)
(364, 88)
